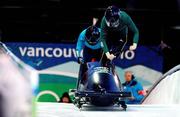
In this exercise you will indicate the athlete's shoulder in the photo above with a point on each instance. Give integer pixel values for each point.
(123, 14)
(103, 20)
(83, 32)
(82, 35)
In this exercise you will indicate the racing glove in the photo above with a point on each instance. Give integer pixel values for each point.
(80, 60)
(133, 47)
(110, 56)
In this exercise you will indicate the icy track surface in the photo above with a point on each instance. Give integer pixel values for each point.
(69, 110)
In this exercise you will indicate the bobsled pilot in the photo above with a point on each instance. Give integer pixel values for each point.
(133, 86)
(114, 30)
(89, 42)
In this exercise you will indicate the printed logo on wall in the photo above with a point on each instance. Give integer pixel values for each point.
(43, 55)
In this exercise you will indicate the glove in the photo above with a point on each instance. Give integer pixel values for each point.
(110, 56)
(80, 60)
(133, 47)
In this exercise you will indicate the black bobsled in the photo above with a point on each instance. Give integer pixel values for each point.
(100, 86)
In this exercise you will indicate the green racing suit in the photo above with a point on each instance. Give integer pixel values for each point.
(110, 36)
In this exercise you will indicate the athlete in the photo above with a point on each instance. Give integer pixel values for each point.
(114, 30)
(89, 42)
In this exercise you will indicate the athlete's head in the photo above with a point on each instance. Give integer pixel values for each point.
(92, 35)
(112, 16)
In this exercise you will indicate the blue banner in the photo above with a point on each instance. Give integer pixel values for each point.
(43, 55)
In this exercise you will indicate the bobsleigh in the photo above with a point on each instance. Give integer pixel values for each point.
(99, 86)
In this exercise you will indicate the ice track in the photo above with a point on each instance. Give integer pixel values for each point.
(69, 110)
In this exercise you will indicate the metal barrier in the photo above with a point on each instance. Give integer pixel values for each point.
(166, 89)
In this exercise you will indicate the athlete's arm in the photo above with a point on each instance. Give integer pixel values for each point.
(103, 37)
(133, 28)
(80, 44)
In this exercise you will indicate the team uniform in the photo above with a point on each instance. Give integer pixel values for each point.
(89, 42)
(114, 30)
